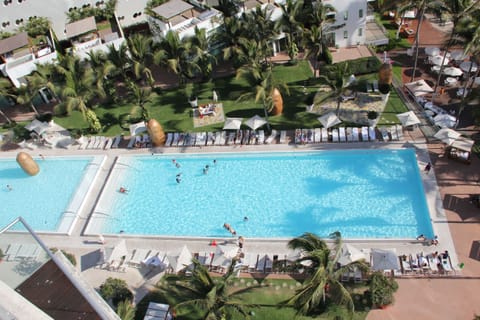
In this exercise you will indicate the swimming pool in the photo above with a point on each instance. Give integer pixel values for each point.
(362, 193)
(50, 200)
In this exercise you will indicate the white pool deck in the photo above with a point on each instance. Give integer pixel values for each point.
(141, 280)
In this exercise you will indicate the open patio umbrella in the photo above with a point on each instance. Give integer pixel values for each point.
(229, 251)
(350, 254)
(468, 66)
(437, 60)
(408, 118)
(419, 88)
(38, 126)
(329, 120)
(180, 261)
(447, 136)
(255, 122)
(384, 260)
(432, 51)
(445, 120)
(232, 124)
(457, 55)
(137, 128)
(452, 71)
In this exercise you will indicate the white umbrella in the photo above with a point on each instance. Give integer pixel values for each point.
(181, 261)
(457, 55)
(419, 88)
(221, 261)
(38, 126)
(447, 135)
(350, 254)
(468, 66)
(445, 120)
(438, 60)
(232, 124)
(255, 122)
(116, 253)
(432, 51)
(384, 260)
(137, 128)
(329, 120)
(452, 71)
(408, 118)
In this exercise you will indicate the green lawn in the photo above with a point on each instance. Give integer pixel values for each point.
(267, 298)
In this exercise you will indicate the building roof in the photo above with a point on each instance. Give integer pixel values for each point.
(172, 8)
(80, 27)
(14, 42)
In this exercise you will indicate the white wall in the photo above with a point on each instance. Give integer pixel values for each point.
(353, 23)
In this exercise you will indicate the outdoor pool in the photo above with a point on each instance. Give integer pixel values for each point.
(364, 194)
(50, 200)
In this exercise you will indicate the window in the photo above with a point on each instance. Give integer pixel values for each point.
(345, 34)
(360, 32)
(345, 15)
(360, 13)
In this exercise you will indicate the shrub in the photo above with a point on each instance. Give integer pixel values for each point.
(372, 115)
(115, 290)
(69, 256)
(384, 88)
(382, 289)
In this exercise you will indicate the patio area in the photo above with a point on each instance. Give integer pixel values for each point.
(206, 115)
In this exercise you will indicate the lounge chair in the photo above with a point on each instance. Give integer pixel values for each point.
(372, 134)
(168, 142)
(393, 133)
(91, 144)
(324, 135)
(375, 85)
(283, 136)
(317, 135)
(384, 133)
(355, 134)
(138, 256)
(117, 141)
(342, 134)
(223, 137)
(131, 142)
(28, 251)
(309, 135)
(335, 135)
(298, 136)
(84, 141)
(364, 133)
(100, 143)
(261, 137)
(176, 137)
(108, 143)
(210, 138)
(399, 132)
(349, 134)
(11, 251)
(246, 137)
(271, 138)
(369, 87)
(231, 138)
(405, 264)
(181, 139)
(201, 139)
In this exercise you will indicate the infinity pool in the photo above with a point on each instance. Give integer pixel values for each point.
(50, 200)
(362, 193)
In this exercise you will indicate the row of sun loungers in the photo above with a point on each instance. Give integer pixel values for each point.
(28, 251)
(98, 142)
(429, 264)
(221, 138)
(348, 134)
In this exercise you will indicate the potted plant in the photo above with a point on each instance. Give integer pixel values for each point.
(382, 289)
(372, 117)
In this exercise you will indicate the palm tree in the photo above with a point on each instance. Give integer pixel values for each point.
(141, 49)
(337, 83)
(25, 96)
(8, 92)
(79, 89)
(44, 76)
(324, 280)
(289, 24)
(126, 310)
(101, 67)
(228, 8)
(140, 95)
(120, 59)
(208, 298)
(457, 9)
(199, 45)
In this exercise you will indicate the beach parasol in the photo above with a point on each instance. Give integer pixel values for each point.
(445, 120)
(457, 55)
(432, 51)
(232, 124)
(350, 254)
(329, 120)
(255, 122)
(384, 260)
(408, 118)
(447, 136)
(438, 60)
(452, 71)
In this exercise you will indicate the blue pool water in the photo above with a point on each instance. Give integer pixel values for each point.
(363, 194)
(43, 199)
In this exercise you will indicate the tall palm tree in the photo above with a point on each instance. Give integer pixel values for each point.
(290, 24)
(25, 96)
(230, 34)
(120, 59)
(199, 46)
(126, 310)
(101, 67)
(337, 83)
(208, 298)
(140, 95)
(324, 280)
(45, 76)
(140, 47)
(79, 89)
(457, 10)
(8, 91)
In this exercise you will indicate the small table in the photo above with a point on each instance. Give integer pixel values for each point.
(449, 81)
(436, 68)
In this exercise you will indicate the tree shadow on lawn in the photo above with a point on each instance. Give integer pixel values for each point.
(177, 99)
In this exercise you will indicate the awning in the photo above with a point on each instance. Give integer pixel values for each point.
(463, 144)
(408, 118)
(419, 88)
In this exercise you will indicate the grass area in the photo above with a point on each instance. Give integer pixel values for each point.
(267, 298)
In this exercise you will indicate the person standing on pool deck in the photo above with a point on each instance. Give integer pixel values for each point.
(428, 167)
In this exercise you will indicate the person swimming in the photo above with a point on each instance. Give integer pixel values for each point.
(178, 179)
(122, 190)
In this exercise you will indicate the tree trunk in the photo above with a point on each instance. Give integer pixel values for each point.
(5, 116)
(34, 109)
(462, 103)
(417, 40)
(443, 60)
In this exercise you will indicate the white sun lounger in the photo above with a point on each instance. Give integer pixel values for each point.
(181, 139)
(317, 135)
(375, 85)
(283, 136)
(116, 142)
(364, 133)
(210, 138)
(400, 132)
(138, 256)
(393, 133)
(341, 134)
(84, 143)
(100, 143)
(109, 143)
(131, 142)
(384, 133)
(12, 250)
(271, 138)
(355, 134)
(93, 141)
(261, 137)
(349, 134)
(324, 135)
(201, 139)
(335, 135)
(230, 138)
(176, 137)
(168, 142)
(298, 136)
(190, 139)
(310, 135)
(372, 134)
